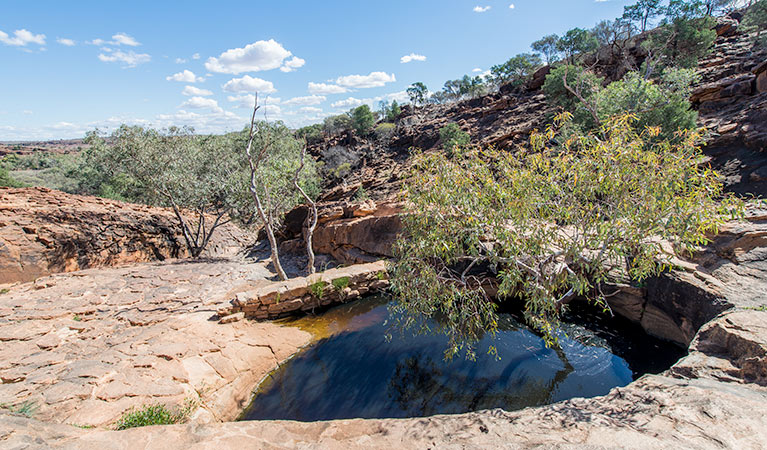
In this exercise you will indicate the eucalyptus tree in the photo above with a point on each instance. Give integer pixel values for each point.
(547, 46)
(280, 176)
(418, 93)
(546, 224)
(197, 176)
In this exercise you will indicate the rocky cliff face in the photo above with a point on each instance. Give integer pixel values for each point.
(731, 100)
(43, 231)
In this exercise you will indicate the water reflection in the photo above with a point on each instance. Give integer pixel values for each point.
(354, 372)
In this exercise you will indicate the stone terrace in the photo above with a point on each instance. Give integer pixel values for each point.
(87, 346)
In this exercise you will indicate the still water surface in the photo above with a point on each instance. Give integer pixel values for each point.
(353, 371)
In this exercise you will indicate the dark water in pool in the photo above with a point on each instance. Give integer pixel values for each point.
(353, 371)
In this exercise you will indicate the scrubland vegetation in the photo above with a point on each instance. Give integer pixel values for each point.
(595, 194)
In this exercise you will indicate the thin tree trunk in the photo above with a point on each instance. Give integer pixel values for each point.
(265, 218)
(311, 216)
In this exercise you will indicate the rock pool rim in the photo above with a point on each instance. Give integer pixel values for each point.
(338, 341)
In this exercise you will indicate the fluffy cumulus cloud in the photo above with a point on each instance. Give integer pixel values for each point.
(481, 9)
(512, 6)
(185, 76)
(202, 103)
(248, 84)
(374, 79)
(311, 110)
(255, 57)
(65, 41)
(292, 64)
(353, 102)
(128, 59)
(412, 57)
(247, 100)
(325, 89)
(196, 56)
(194, 91)
(22, 38)
(308, 100)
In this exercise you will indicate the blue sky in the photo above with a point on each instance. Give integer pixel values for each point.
(71, 66)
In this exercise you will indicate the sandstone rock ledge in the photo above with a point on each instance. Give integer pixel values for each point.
(686, 408)
(87, 346)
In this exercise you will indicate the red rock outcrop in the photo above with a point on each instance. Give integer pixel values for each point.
(43, 231)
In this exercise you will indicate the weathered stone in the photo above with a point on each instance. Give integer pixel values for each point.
(232, 318)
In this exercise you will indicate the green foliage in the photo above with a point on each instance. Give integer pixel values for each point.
(361, 195)
(362, 119)
(338, 124)
(575, 42)
(342, 170)
(612, 32)
(27, 408)
(77, 318)
(642, 12)
(418, 93)
(547, 223)
(155, 415)
(389, 111)
(312, 133)
(452, 137)
(318, 289)
(581, 80)
(341, 283)
(656, 103)
(40, 169)
(755, 18)
(515, 71)
(680, 40)
(6, 180)
(547, 46)
(4, 291)
(663, 103)
(466, 87)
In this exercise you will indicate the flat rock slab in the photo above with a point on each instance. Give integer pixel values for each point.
(87, 346)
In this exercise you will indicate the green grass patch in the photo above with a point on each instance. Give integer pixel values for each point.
(27, 408)
(341, 283)
(155, 415)
(318, 289)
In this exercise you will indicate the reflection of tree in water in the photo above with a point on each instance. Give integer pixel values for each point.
(421, 388)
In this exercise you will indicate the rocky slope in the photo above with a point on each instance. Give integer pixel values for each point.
(43, 231)
(731, 100)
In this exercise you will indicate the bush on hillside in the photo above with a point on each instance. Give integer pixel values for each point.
(452, 137)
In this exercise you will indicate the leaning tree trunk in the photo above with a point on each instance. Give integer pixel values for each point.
(266, 216)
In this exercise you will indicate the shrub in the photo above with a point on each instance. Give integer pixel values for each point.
(27, 408)
(155, 415)
(549, 223)
(312, 133)
(576, 42)
(515, 71)
(6, 180)
(362, 119)
(453, 136)
(361, 195)
(341, 283)
(680, 41)
(755, 18)
(318, 289)
(337, 124)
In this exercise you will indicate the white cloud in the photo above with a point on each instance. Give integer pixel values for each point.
(202, 103)
(96, 42)
(255, 57)
(247, 100)
(196, 56)
(292, 64)
(192, 91)
(476, 69)
(130, 59)
(187, 76)
(249, 84)
(324, 89)
(180, 61)
(21, 38)
(481, 9)
(124, 39)
(412, 57)
(65, 41)
(308, 100)
(311, 110)
(512, 5)
(374, 79)
(350, 102)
